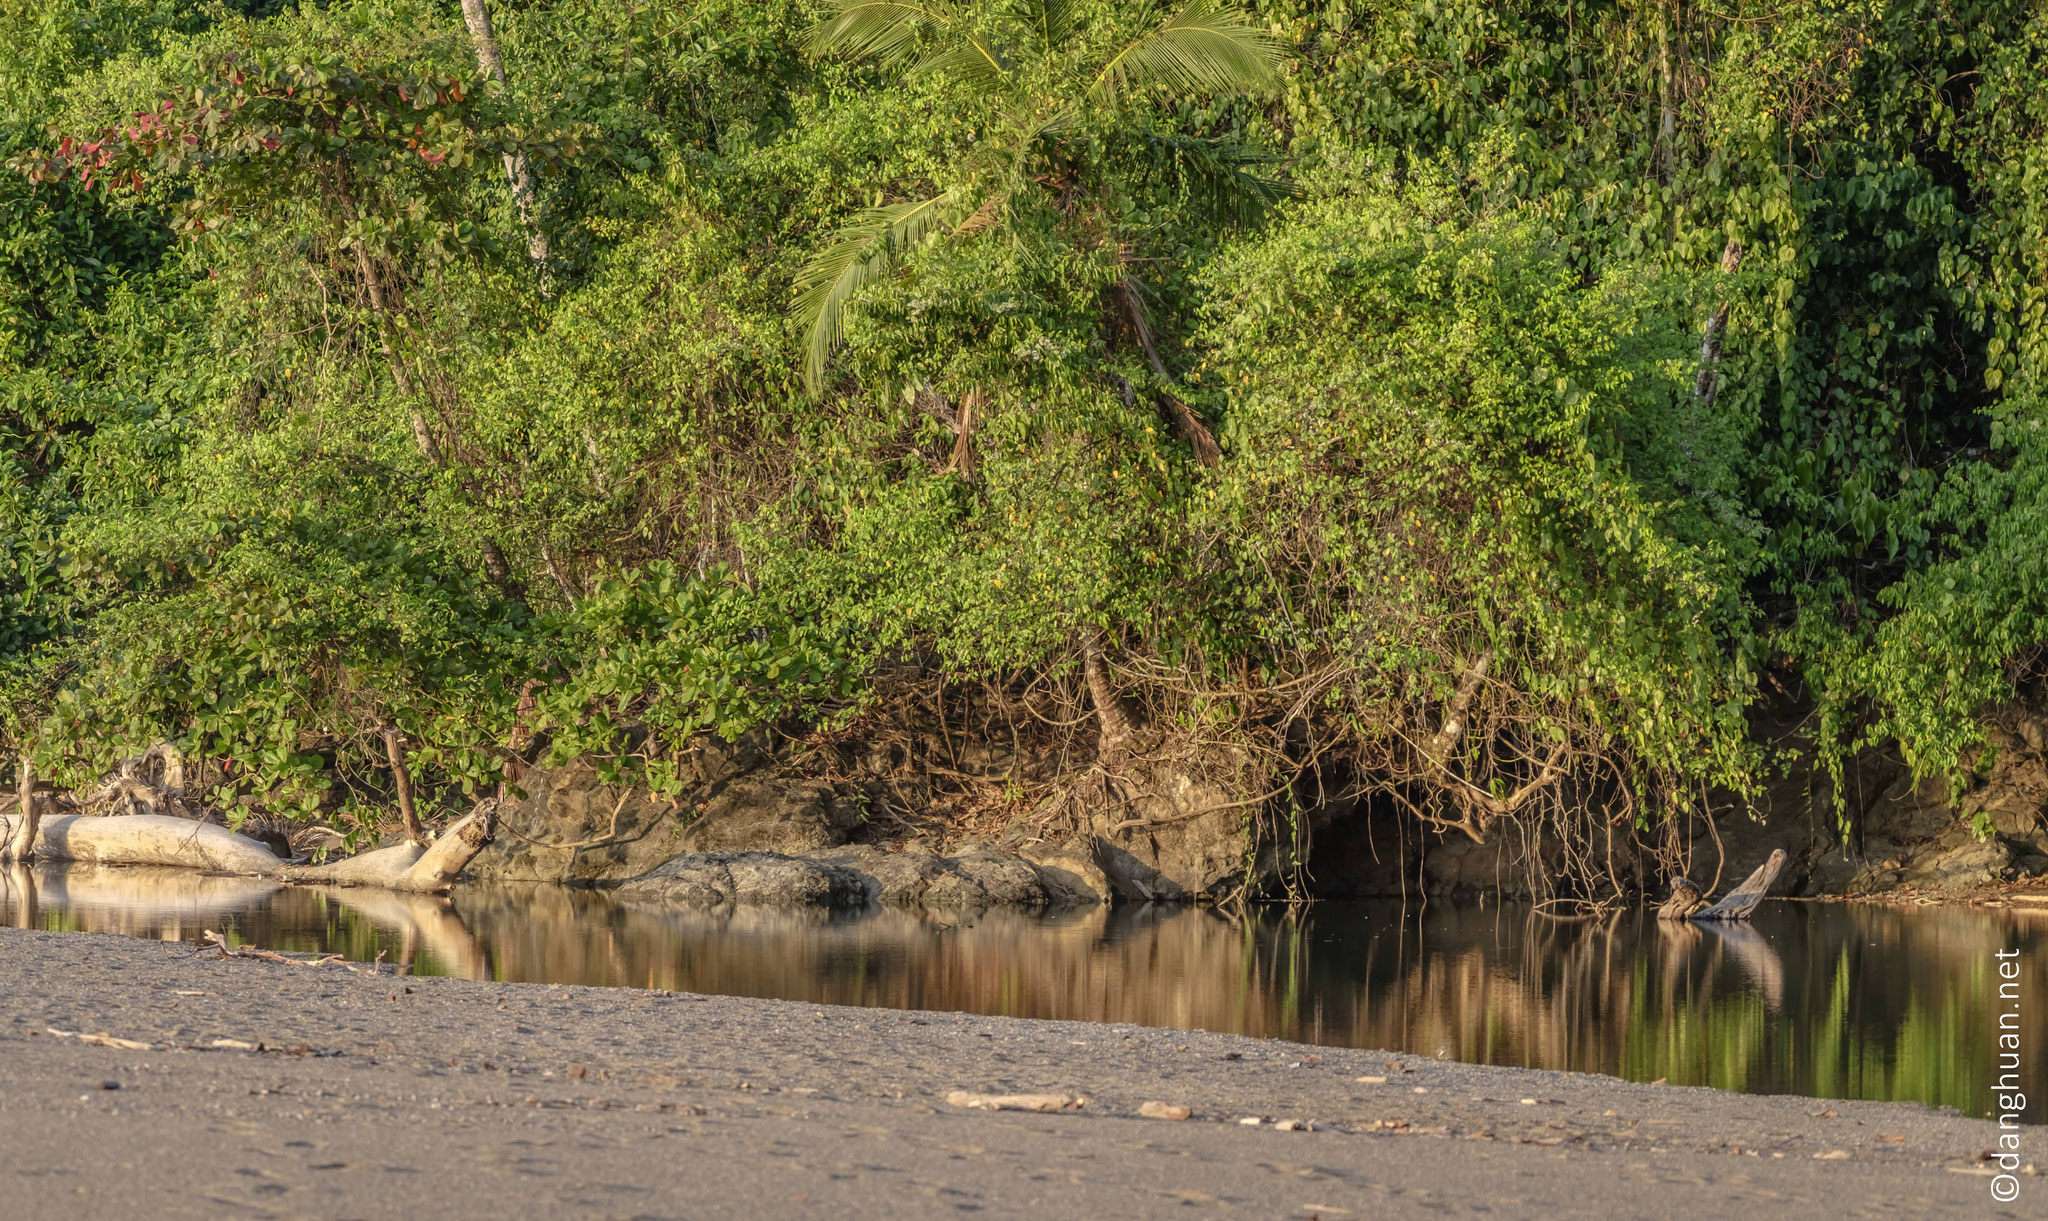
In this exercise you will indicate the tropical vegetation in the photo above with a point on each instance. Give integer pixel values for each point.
(1500, 407)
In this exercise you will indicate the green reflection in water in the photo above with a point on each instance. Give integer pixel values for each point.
(1826, 1000)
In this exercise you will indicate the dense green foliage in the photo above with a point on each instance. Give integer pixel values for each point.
(1322, 359)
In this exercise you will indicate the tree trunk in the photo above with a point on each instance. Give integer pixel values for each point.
(513, 769)
(1192, 430)
(1114, 726)
(158, 839)
(517, 172)
(19, 844)
(1447, 737)
(963, 434)
(1708, 383)
(450, 853)
(394, 750)
(422, 435)
(547, 560)
(1667, 125)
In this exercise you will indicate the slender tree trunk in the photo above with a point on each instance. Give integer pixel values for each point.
(380, 307)
(547, 559)
(1192, 430)
(1667, 104)
(513, 769)
(1709, 381)
(963, 434)
(1114, 725)
(517, 172)
(394, 750)
(20, 842)
(1452, 730)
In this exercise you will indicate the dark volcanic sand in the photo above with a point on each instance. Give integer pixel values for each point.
(391, 1097)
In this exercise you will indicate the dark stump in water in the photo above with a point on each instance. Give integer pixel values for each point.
(1687, 903)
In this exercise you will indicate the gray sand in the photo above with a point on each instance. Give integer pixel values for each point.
(393, 1097)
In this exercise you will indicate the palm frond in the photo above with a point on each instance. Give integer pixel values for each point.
(883, 29)
(891, 30)
(968, 58)
(1052, 23)
(1222, 173)
(868, 246)
(1210, 46)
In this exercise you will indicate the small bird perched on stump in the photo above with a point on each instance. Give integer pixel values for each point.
(1687, 903)
(1685, 900)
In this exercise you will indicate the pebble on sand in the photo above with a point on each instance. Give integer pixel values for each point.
(1164, 1110)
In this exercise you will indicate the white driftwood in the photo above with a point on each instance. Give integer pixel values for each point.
(158, 839)
(377, 867)
(150, 839)
(407, 866)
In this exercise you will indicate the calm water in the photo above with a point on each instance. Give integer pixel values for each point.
(1823, 999)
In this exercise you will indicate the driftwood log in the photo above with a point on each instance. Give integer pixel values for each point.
(1687, 903)
(160, 839)
(139, 816)
(408, 866)
(150, 839)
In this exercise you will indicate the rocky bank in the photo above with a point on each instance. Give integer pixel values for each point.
(762, 822)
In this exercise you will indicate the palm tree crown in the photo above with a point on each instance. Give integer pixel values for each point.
(1049, 68)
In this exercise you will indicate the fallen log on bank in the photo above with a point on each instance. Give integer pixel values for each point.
(160, 839)
(149, 839)
(408, 866)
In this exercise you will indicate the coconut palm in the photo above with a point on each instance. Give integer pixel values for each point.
(1064, 75)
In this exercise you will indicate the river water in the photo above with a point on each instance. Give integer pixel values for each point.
(1828, 1000)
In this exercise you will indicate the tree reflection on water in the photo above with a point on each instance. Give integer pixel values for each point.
(1832, 1000)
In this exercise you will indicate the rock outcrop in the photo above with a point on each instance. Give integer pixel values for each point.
(1163, 835)
(572, 827)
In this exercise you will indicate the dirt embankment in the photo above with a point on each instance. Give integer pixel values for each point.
(839, 826)
(232, 1087)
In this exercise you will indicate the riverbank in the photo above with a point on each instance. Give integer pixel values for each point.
(260, 1088)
